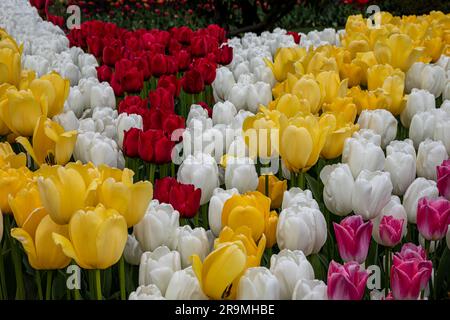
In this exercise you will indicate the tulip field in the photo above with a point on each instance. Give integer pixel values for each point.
(177, 159)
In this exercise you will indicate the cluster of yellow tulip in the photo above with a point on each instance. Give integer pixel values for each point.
(26, 102)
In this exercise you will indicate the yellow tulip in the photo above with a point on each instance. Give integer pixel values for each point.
(10, 66)
(377, 74)
(364, 60)
(97, 237)
(27, 208)
(308, 88)
(331, 86)
(276, 189)
(334, 144)
(8, 158)
(271, 229)
(254, 251)
(20, 111)
(284, 62)
(64, 192)
(343, 109)
(321, 62)
(368, 100)
(302, 141)
(11, 182)
(353, 73)
(43, 253)
(393, 88)
(290, 105)
(220, 272)
(250, 209)
(130, 200)
(51, 144)
(106, 172)
(6, 41)
(55, 89)
(26, 77)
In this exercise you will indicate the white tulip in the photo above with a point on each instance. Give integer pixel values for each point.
(240, 173)
(301, 228)
(297, 197)
(184, 285)
(394, 209)
(265, 74)
(429, 156)
(189, 242)
(426, 76)
(306, 289)
(158, 227)
(422, 127)
(381, 122)
(150, 292)
(68, 120)
(371, 192)
(404, 146)
(197, 112)
(289, 267)
(368, 135)
(361, 155)
(258, 284)
(218, 199)
(132, 252)
(157, 267)
(418, 101)
(222, 83)
(201, 171)
(421, 187)
(71, 72)
(240, 69)
(36, 63)
(446, 92)
(98, 149)
(258, 94)
(337, 199)
(442, 132)
(125, 122)
(75, 102)
(223, 112)
(402, 169)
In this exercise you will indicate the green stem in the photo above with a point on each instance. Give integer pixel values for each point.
(39, 285)
(172, 169)
(266, 185)
(48, 289)
(428, 251)
(122, 280)
(98, 284)
(20, 291)
(387, 258)
(151, 175)
(204, 210)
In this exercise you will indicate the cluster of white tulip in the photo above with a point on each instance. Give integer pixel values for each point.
(90, 107)
(317, 38)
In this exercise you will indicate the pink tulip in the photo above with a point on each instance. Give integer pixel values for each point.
(409, 277)
(408, 252)
(391, 230)
(346, 282)
(353, 238)
(433, 217)
(443, 179)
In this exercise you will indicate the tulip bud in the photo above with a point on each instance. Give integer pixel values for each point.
(240, 173)
(442, 131)
(158, 227)
(150, 292)
(433, 216)
(368, 135)
(218, 199)
(301, 228)
(223, 112)
(337, 199)
(222, 84)
(158, 267)
(346, 282)
(418, 101)
(402, 169)
(296, 197)
(289, 267)
(426, 76)
(381, 122)
(258, 283)
(429, 156)
(371, 192)
(362, 155)
(420, 188)
(191, 241)
(422, 127)
(306, 289)
(184, 285)
(102, 95)
(406, 146)
(132, 252)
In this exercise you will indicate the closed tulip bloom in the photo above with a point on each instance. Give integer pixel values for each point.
(42, 252)
(55, 87)
(11, 182)
(302, 141)
(157, 267)
(276, 189)
(223, 83)
(430, 77)
(308, 89)
(443, 179)
(51, 143)
(306, 289)
(417, 101)
(430, 155)
(191, 241)
(331, 85)
(422, 127)
(433, 216)
(337, 199)
(10, 66)
(371, 192)
(184, 285)
(362, 155)
(381, 122)
(240, 173)
(353, 237)
(8, 158)
(390, 230)
(201, 171)
(404, 146)
(301, 228)
(289, 267)
(377, 74)
(290, 105)
(402, 169)
(97, 237)
(258, 284)
(158, 227)
(395, 210)
(297, 197)
(218, 199)
(150, 292)
(442, 131)
(124, 123)
(64, 192)
(132, 252)
(221, 270)
(368, 135)
(223, 112)
(21, 110)
(346, 282)
(420, 188)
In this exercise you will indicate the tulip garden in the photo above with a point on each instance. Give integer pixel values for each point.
(181, 163)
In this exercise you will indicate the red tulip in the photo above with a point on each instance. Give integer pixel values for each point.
(202, 45)
(443, 179)
(295, 35)
(152, 119)
(104, 73)
(132, 102)
(433, 217)
(171, 83)
(130, 142)
(353, 238)
(39, 4)
(116, 85)
(184, 35)
(172, 122)
(192, 82)
(163, 150)
(207, 69)
(158, 65)
(161, 191)
(205, 106)
(183, 59)
(346, 282)
(391, 230)
(146, 144)
(133, 80)
(186, 199)
(95, 46)
(225, 55)
(111, 55)
(217, 32)
(162, 99)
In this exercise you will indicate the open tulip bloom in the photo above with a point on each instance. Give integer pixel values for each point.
(181, 164)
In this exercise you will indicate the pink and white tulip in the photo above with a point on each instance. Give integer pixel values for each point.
(391, 230)
(346, 282)
(433, 217)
